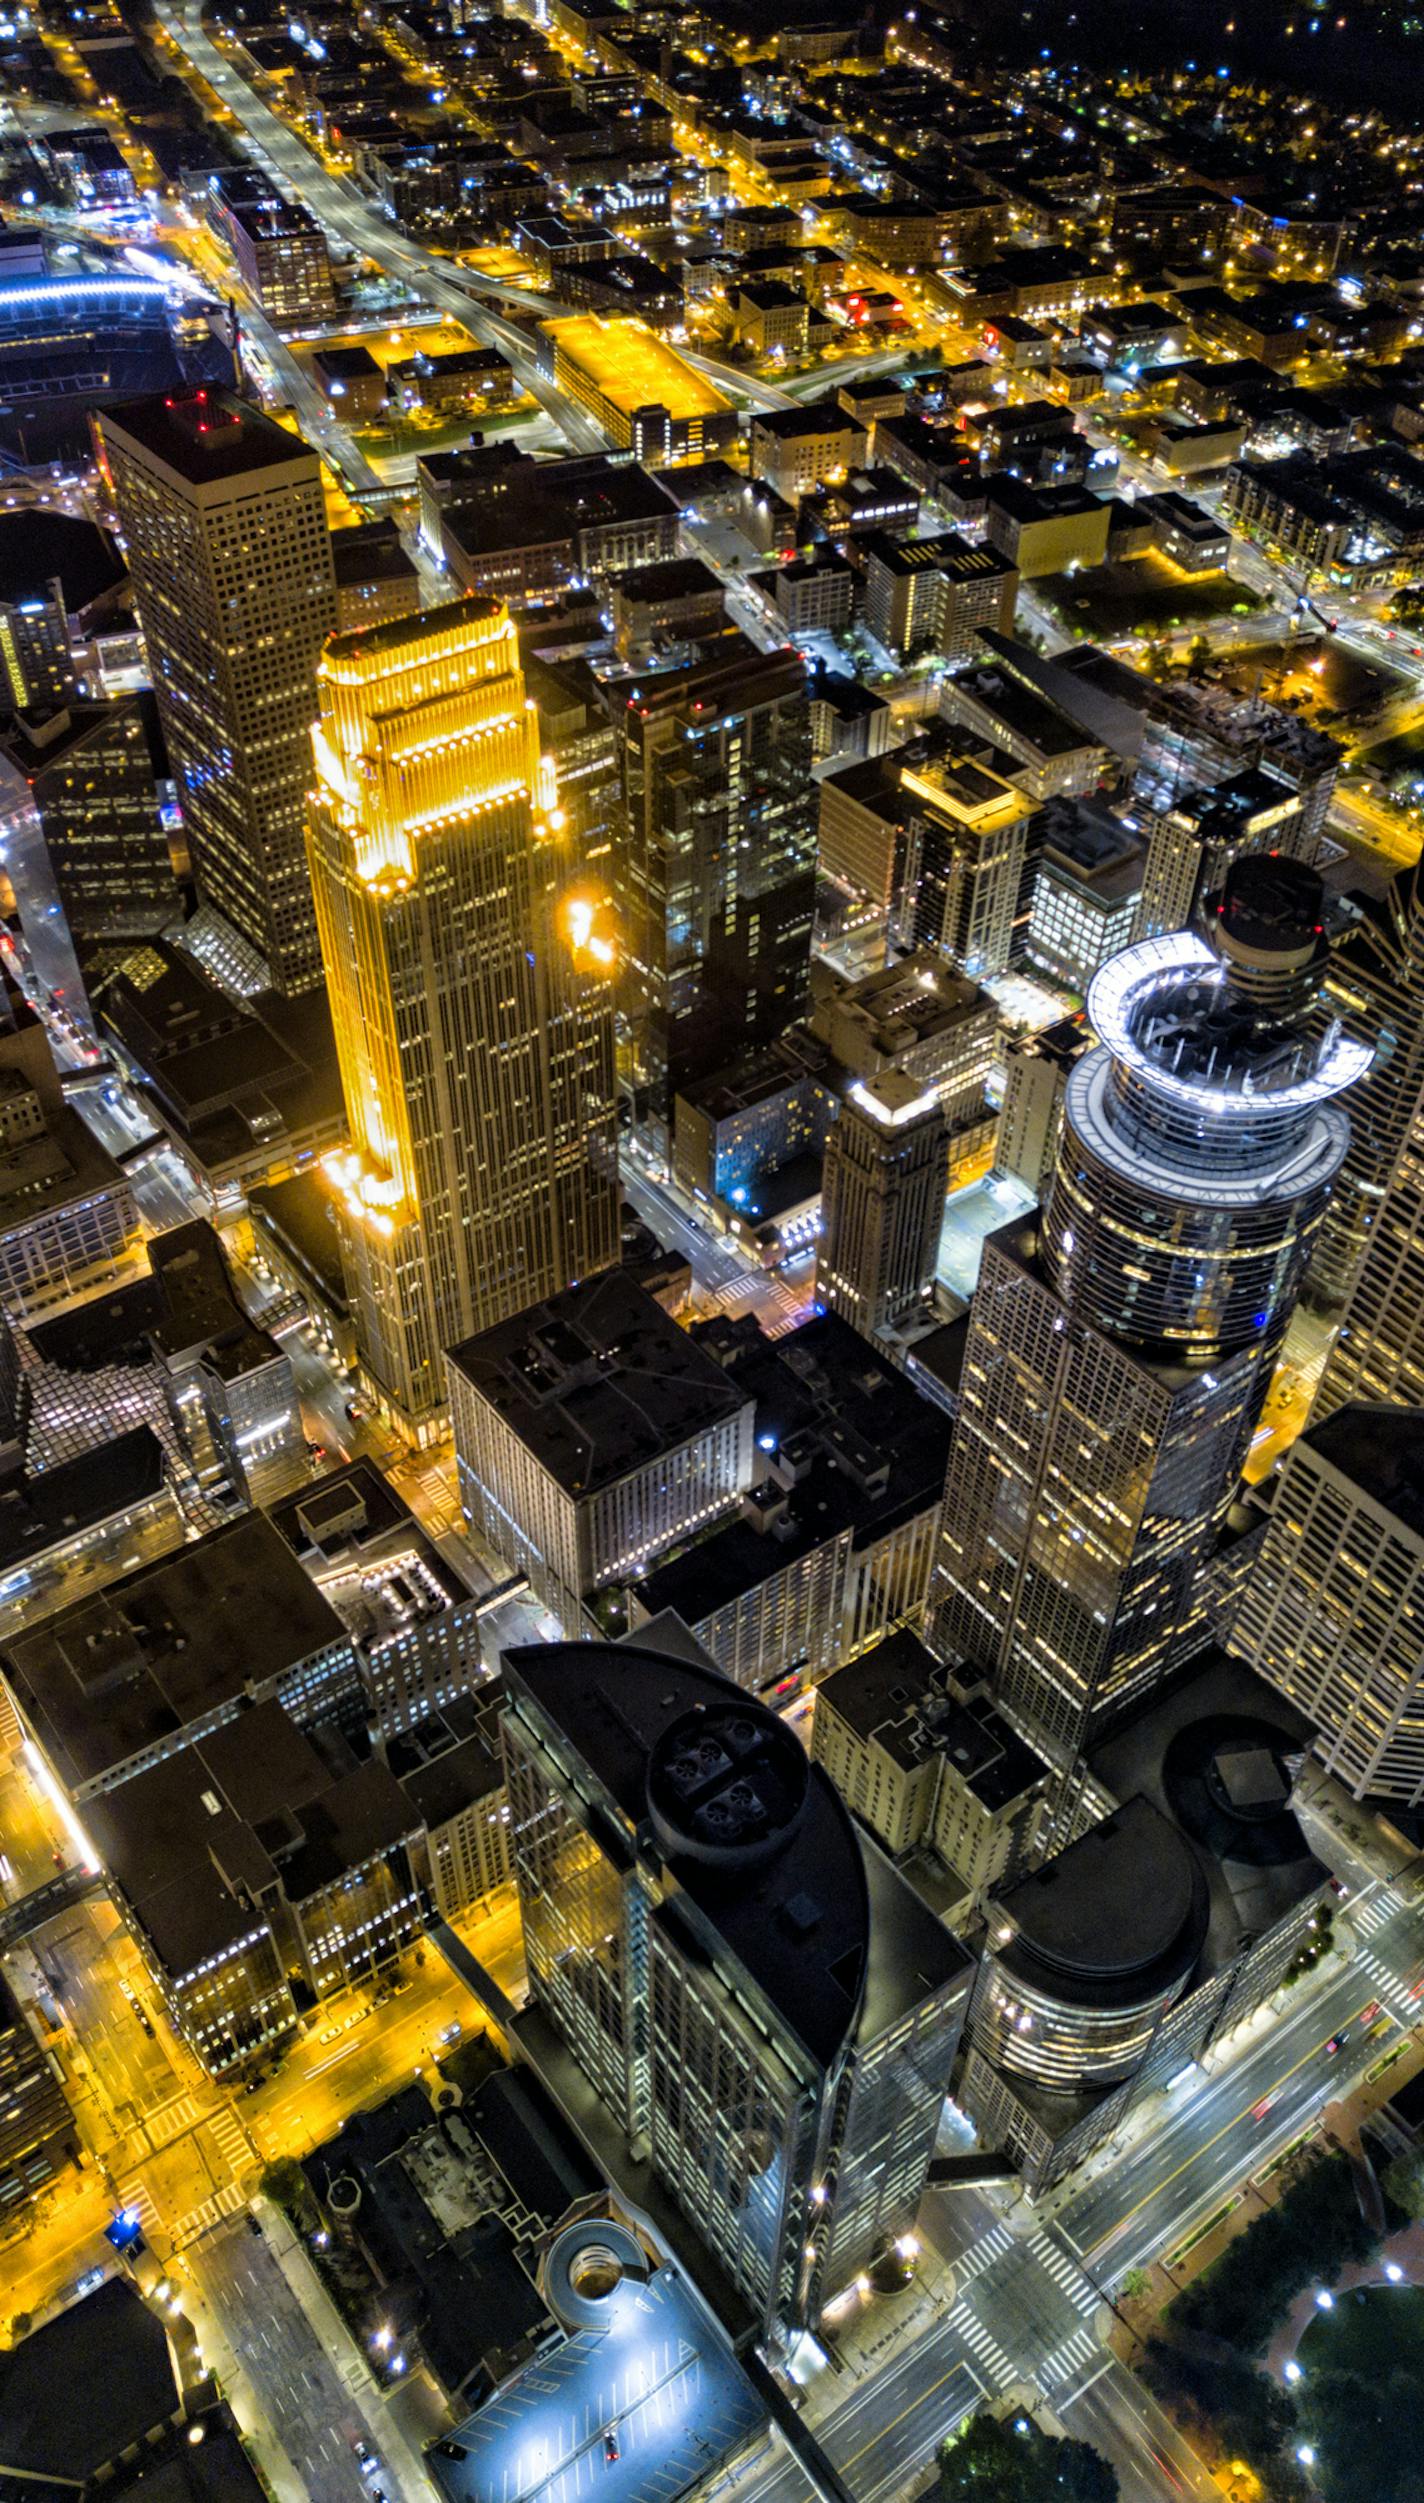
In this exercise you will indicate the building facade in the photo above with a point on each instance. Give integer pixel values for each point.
(1120, 1346)
(468, 973)
(687, 1882)
(224, 519)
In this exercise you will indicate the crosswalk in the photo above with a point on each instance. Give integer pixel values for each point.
(200, 2220)
(1367, 1917)
(986, 2351)
(989, 2248)
(135, 2198)
(174, 2120)
(1065, 2271)
(233, 2143)
(1074, 2361)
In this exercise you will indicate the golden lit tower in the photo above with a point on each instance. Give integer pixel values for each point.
(468, 976)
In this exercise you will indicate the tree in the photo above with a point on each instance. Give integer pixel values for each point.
(1016, 2462)
(1403, 2182)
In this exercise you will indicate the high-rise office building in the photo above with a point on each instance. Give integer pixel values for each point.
(83, 841)
(715, 857)
(882, 1203)
(1192, 844)
(1375, 985)
(224, 522)
(1196, 734)
(760, 2000)
(1334, 1599)
(469, 979)
(1121, 1344)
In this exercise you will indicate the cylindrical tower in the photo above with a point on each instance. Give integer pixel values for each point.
(1199, 1143)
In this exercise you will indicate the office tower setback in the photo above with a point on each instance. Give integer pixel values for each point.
(715, 853)
(469, 979)
(768, 2011)
(224, 521)
(1120, 1347)
(1333, 1602)
(882, 1203)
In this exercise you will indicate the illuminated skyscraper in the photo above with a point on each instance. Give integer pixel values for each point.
(468, 979)
(224, 523)
(882, 1203)
(714, 862)
(1121, 1342)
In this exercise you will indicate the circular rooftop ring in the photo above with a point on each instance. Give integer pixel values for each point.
(1120, 988)
(584, 2267)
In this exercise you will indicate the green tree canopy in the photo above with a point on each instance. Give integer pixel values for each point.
(994, 2462)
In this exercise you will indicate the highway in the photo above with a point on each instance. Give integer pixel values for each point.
(340, 207)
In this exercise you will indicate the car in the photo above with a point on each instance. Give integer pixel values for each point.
(451, 2450)
(254, 2225)
(1336, 2043)
(1266, 2104)
(611, 2450)
(366, 2456)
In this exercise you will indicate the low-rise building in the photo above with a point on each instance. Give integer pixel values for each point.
(139, 1673)
(933, 595)
(1186, 532)
(413, 1626)
(815, 597)
(929, 1770)
(1087, 889)
(278, 246)
(352, 380)
(591, 1434)
(452, 1772)
(797, 449)
(375, 579)
(676, 601)
(832, 1546)
(68, 1221)
(1045, 530)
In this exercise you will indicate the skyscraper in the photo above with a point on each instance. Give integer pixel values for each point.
(882, 1202)
(1379, 1353)
(715, 858)
(1121, 1343)
(1375, 985)
(82, 839)
(223, 519)
(469, 982)
(760, 2000)
(1333, 1603)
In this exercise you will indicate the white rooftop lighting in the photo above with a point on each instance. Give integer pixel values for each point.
(1119, 988)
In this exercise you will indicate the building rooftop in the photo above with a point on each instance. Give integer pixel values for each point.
(843, 1433)
(1121, 1913)
(137, 1663)
(46, 1510)
(35, 546)
(1215, 1756)
(1380, 1448)
(63, 1161)
(789, 1897)
(356, 1538)
(207, 437)
(597, 1382)
(110, 2348)
(452, 1760)
(633, 367)
(896, 1694)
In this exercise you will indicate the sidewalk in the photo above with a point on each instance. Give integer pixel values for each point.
(1402, 2250)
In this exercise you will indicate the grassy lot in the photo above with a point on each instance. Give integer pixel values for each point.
(1112, 599)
